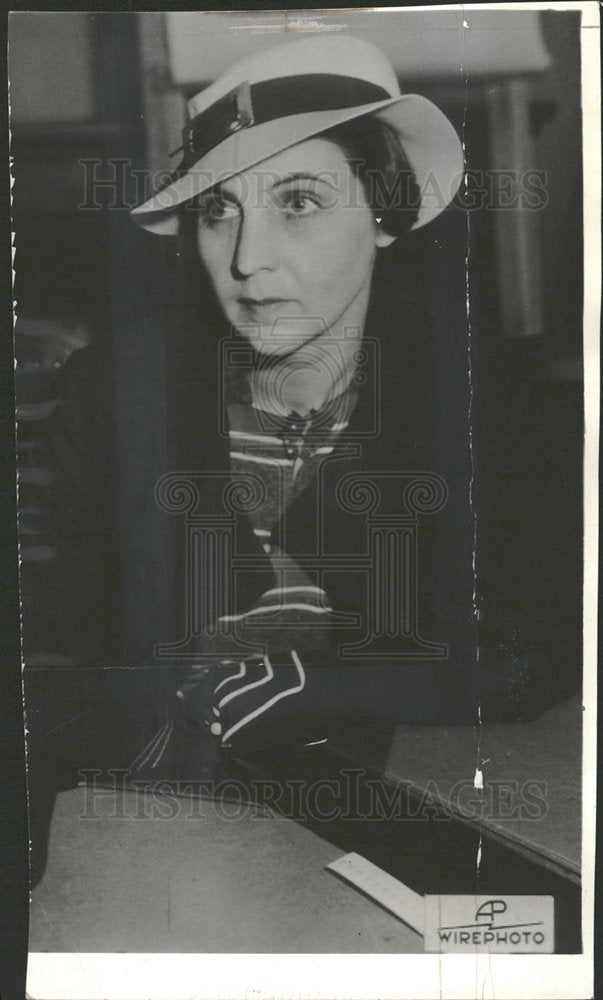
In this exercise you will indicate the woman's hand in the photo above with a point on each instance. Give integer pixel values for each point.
(256, 702)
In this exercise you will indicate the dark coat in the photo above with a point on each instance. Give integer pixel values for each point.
(409, 432)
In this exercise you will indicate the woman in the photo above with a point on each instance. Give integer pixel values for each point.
(300, 166)
(324, 569)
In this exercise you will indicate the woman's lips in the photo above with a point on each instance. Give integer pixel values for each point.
(263, 307)
(254, 303)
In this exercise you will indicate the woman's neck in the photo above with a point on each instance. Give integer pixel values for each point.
(318, 371)
(308, 379)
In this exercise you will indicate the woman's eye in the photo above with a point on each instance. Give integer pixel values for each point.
(216, 209)
(299, 203)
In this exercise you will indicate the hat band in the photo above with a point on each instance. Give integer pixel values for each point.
(254, 104)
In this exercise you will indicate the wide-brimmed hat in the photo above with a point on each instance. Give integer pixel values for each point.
(286, 94)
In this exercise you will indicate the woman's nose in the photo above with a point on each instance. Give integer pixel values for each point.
(256, 243)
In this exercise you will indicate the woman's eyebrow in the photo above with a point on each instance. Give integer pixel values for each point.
(221, 191)
(305, 176)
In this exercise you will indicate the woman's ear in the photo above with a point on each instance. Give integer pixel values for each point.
(382, 238)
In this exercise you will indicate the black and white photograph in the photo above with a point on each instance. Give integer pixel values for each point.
(306, 339)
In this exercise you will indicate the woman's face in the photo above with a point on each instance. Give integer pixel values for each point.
(289, 246)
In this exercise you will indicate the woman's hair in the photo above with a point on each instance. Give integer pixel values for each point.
(377, 158)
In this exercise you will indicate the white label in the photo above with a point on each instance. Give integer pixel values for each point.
(509, 924)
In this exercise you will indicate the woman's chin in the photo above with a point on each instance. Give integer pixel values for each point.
(276, 350)
(276, 346)
(282, 338)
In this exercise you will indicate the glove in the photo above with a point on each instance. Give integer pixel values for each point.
(251, 704)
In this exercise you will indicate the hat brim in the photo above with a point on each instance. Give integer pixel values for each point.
(429, 140)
